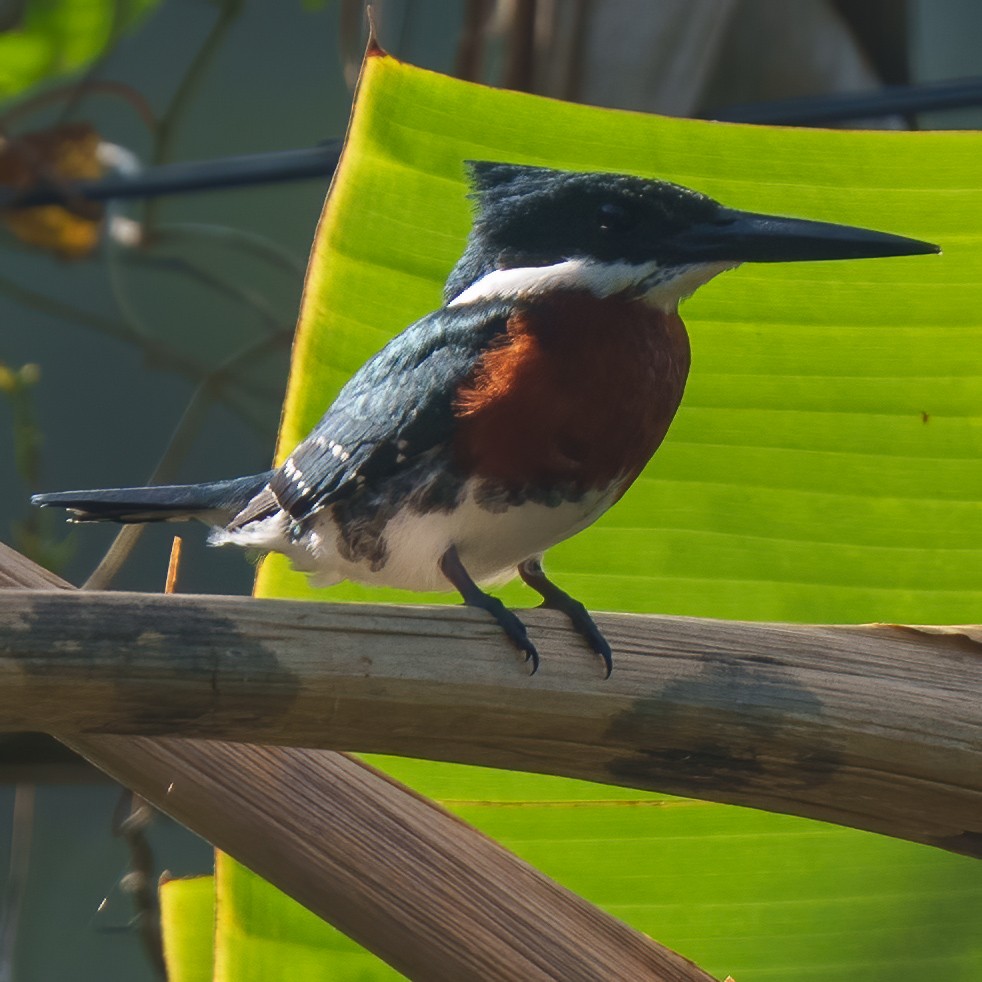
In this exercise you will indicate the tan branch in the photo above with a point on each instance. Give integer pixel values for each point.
(424, 891)
(874, 727)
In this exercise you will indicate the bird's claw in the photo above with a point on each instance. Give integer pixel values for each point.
(555, 599)
(586, 627)
(531, 655)
(517, 633)
(602, 648)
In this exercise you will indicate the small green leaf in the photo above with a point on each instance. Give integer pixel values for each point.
(263, 934)
(58, 37)
(187, 916)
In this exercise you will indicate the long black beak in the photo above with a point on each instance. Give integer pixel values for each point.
(742, 236)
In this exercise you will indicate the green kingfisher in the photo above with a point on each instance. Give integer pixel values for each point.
(517, 413)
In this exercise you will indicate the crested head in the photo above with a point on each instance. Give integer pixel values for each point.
(537, 230)
(550, 211)
(605, 230)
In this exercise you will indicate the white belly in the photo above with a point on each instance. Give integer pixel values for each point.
(490, 544)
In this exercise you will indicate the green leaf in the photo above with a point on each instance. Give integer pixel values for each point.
(187, 919)
(263, 934)
(236, 927)
(765, 898)
(57, 37)
(826, 465)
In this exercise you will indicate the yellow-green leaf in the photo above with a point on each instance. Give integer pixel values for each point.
(187, 918)
(263, 934)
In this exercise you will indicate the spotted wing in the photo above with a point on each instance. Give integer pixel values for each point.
(398, 406)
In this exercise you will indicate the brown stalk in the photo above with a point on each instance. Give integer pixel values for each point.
(427, 893)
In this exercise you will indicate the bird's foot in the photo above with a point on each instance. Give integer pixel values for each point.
(513, 627)
(586, 627)
(516, 632)
(553, 598)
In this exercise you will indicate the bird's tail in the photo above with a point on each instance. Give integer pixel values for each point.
(216, 503)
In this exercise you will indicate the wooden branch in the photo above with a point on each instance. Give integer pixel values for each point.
(874, 727)
(374, 862)
(424, 891)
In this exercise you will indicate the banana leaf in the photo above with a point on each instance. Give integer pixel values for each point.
(826, 466)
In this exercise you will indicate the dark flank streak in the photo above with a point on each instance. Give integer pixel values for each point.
(361, 518)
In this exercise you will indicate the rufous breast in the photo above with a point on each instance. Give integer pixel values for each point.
(578, 393)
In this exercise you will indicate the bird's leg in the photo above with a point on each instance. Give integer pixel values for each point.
(532, 573)
(453, 569)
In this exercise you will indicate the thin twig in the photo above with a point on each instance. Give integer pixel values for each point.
(210, 386)
(232, 289)
(158, 355)
(173, 565)
(184, 433)
(131, 820)
(22, 832)
(127, 537)
(167, 127)
(91, 82)
(75, 91)
(234, 238)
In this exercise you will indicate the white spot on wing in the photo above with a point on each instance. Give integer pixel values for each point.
(295, 476)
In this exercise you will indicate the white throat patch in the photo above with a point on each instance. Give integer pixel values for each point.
(660, 287)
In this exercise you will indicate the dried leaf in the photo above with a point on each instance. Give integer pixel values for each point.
(65, 153)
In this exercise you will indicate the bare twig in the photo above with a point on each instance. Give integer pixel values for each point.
(173, 565)
(122, 14)
(211, 386)
(132, 817)
(234, 238)
(233, 290)
(72, 92)
(158, 354)
(167, 127)
(177, 447)
(22, 832)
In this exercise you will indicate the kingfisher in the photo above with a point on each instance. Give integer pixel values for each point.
(516, 414)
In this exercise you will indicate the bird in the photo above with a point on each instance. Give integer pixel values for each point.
(518, 412)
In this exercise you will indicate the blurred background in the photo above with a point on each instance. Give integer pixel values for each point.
(149, 337)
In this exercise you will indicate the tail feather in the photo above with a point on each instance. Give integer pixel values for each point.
(216, 503)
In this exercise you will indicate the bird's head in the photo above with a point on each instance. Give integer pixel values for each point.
(537, 229)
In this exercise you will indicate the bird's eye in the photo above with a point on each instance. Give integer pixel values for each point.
(614, 218)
